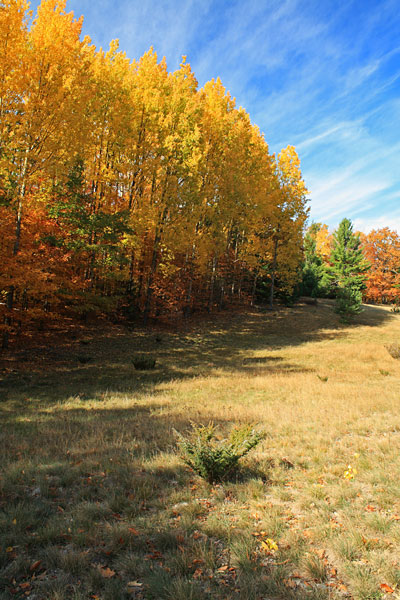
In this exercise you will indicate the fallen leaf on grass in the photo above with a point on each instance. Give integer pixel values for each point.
(24, 586)
(134, 584)
(370, 542)
(35, 565)
(198, 573)
(269, 546)
(386, 588)
(158, 555)
(106, 572)
(133, 531)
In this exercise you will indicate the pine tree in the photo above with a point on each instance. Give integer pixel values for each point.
(348, 268)
(315, 277)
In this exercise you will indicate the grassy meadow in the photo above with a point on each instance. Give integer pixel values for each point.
(95, 502)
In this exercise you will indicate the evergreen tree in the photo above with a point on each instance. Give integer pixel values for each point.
(348, 270)
(315, 278)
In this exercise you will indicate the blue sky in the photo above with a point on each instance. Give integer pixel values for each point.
(321, 75)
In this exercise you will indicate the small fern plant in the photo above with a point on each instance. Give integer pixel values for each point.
(212, 458)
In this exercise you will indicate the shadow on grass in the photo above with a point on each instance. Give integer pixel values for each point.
(88, 489)
(97, 499)
(104, 363)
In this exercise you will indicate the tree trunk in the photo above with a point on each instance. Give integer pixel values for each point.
(7, 318)
(188, 307)
(21, 195)
(222, 295)
(271, 294)
(253, 292)
(130, 282)
(153, 266)
(212, 284)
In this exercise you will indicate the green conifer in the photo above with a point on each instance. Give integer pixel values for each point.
(315, 278)
(348, 270)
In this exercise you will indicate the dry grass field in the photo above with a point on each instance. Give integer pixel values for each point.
(95, 502)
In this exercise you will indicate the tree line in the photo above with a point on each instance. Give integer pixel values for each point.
(126, 187)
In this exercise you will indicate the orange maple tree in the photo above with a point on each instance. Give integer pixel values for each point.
(382, 249)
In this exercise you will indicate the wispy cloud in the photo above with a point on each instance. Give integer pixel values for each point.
(367, 224)
(320, 76)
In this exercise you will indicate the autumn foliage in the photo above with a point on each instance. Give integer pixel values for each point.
(125, 186)
(382, 249)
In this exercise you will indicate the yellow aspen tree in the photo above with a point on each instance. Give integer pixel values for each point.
(42, 135)
(288, 221)
(324, 242)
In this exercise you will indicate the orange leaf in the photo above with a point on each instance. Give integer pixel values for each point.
(198, 573)
(386, 588)
(133, 531)
(35, 565)
(106, 572)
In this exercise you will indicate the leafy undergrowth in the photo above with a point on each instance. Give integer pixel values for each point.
(96, 504)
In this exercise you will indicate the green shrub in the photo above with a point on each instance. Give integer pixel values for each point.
(83, 359)
(215, 459)
(143, 363)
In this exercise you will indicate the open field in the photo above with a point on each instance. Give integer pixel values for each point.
(95, 503)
